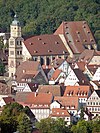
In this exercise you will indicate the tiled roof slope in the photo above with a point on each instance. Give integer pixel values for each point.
(56, 90)
(80, 91)
(56, 74)
(77, 34)
(59, 112)
(8, 99)
(82, 78)
(39, 98)
(68, 101)
(45, 45)
(27, 67)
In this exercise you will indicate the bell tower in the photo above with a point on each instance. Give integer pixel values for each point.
(15, 47)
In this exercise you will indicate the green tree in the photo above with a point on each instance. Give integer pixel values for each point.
(24, 124)
(2, 68)
(50, 125)
(10, 116)
(82, 126)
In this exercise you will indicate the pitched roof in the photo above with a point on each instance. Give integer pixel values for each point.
(80, 91)
(56, 74)
(8, 99)
(4, 89)
(56, 90)
(68, 101)
(59, 112)
(77, 34)
(87, 55)
(27, 67)
(33, 86)
(45, 45)
(39, 98)
(81, 65)
(92, 68)
(81, 77)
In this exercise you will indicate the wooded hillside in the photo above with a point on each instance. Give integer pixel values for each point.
(44, 16)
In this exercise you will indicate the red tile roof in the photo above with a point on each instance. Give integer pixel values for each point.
(27, 68)
(81, 77)
(68, 101)
(80, 91)
(59, 112)
(56, 90)
(56, 74)
(45, 45)
(39, 98)
(77, 34)
(8, 99)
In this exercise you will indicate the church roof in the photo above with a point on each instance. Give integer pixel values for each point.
(15, 22)
(45, 45)
(77, 34)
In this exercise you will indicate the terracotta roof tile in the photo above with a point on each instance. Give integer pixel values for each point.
(68, 101)
(80, 91)
(56, 90)
(77, 34)
(39, 98)
(45, 45)
(27, 67)
(56, 74)
(59, 112)
(8, 99)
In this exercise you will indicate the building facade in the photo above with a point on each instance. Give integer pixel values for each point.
(15, 47)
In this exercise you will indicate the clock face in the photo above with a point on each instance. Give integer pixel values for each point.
(11, 64)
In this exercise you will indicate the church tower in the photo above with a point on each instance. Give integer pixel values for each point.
(15, 47)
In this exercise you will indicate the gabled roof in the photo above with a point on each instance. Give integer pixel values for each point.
(27, 68)
(39, 98)
(81, 65)
(81, 77)
(77, 34)
(80, 91)
(56, 74)
(92, 68)
(8, 99)
(56, 90)
(68, 101)
(33, 86)
(59, 112)
(87, 55)
(45, 45)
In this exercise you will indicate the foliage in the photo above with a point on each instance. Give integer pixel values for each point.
(10, 116)
(86, 127)
(24, 124)
(2, 68)
(50, 125)
(44, 16)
